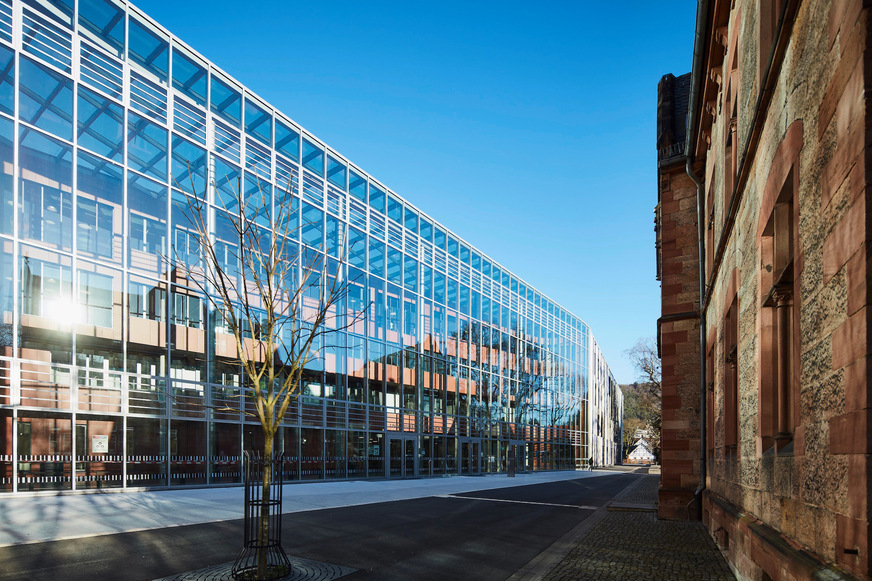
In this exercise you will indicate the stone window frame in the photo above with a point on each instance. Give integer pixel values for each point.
(731, 355)
(768, 12)
(779, 289)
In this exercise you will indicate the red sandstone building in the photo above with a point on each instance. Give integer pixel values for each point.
(763, 222)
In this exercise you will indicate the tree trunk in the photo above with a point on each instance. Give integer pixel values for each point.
(263, 532)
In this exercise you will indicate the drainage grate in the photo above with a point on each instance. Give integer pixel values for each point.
(303, 570)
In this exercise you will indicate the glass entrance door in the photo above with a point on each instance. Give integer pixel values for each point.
(518, 453)
(470, 456)
(401, 457)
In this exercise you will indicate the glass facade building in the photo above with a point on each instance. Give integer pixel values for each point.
(113, 371)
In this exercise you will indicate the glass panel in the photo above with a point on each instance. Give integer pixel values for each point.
(411, 220)
(313, 157)
(357, 185)
(99, 208)
(426, 230)
(411, 274)
(7, 80)
(146, 147)
(44, 451)
(100, 124)
(187, 453)
(376, 454)
(148, 48)
(410, 320)
(313, 226)
(439, 287)
(103, 21)
(99, 454)
(357, 303)
(395, 266)
(258, 197)
(336, 171)
(226, 101)
(45, 98)
(258, 122)
(357, 446)
(376, 198)
(6, 450)
(7, 209)
(146, 349)
(356, 248)
(187, 358)
(225, 454)
(452, 246)
(189, 167)
(312, 454)
(189, 77)
(395, 209)
(287, 140)
(60, 10)
(335, 459)
(146, 452)
(393, 313)
(376, 372)
(396, 457)
(376, 257)
(147, 207)
(47, 315)
(45, 190)
(227, 184)
(334, 236)
(439, 238)
(185, 243)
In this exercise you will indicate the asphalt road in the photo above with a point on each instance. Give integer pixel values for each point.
(481, 535)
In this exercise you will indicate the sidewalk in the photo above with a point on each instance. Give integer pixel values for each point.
(625, 540)
(41, 518)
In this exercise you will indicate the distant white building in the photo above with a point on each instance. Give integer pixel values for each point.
(640, 452)
(605, 418)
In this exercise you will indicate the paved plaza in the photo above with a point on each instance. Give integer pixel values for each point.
(627, 541)
(619, 538)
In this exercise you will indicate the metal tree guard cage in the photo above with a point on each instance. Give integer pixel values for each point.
(256, 506)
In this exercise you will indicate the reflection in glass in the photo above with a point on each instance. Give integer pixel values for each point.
(100, 124)
(7, 80)
(147, 238)
(148, 48)
(226, 101)
(45, 98)
(44, 451)
(189, 77)
(258, 122)
(189, 167)
(103, 22)
(357, 185)
(287, 140)
(47, 315)
(313, 157)
(7, 208)
(336, 171)
(146, 146)
(46, 190)
(99, 208)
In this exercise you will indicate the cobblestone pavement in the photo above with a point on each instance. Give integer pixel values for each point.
(629, 542)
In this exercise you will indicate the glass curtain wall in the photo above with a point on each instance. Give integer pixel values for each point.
(116, 372)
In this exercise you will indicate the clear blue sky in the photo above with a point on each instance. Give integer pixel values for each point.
(528, 128)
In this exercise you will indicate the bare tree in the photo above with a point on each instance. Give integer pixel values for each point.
(274, 301)
(644, 357)
(646, 394)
